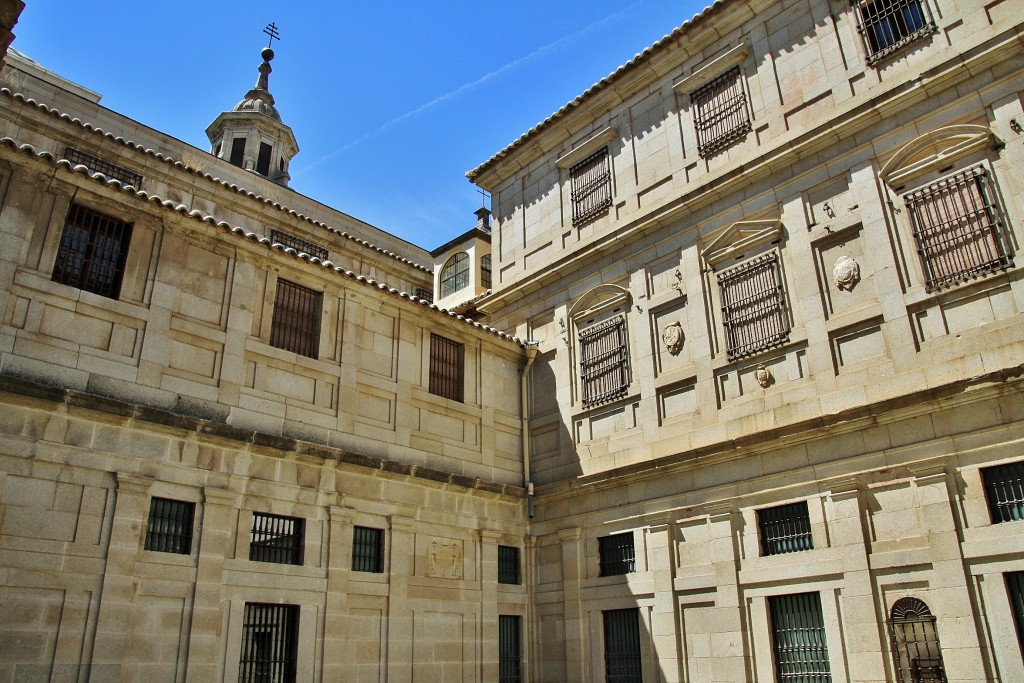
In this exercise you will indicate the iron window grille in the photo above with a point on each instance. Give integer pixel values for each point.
(485, 271)
(1015, 588)
(753, 306)
(617, 555)
(92, 252)
(298, 244)
(915, 643)
(269, 643)
(296, 322)
(798, 643)
(622, 661)
(447, 368)
(888, 25)
(508, 565)
(422, 293)
(509, 649)
(98, 165)
(720, 112)
(1004, 490)
(958, 229)
(785, 529)
(169, 527)
(276, 538)
(367, 550)
(591, 187)
(455, 274)
(604, 361)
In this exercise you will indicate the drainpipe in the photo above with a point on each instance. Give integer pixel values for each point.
(531, 355)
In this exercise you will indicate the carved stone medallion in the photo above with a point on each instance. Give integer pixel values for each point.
(444, 558)
(673, 337)
(846, 273)
(763, 376)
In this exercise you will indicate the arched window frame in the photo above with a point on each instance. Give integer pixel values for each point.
(917, 655)
(455, 274)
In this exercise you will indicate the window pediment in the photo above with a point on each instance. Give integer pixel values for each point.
(586, 148)
(597, 299)
(739, 237)
(932, 151)
(716, 66)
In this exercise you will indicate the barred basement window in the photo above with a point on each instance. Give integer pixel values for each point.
(509, 649)
(1004, 490)
(617, 554)
(485, 271)
(446, 368)
(798, 642)
(604, 361)
(508, 565)
(296, 323)
(753, 306)
(888, 25)
(298, 244)
(958, 229)
(367, 550)
(92, 252)
(720, 112)
(270, 638)
(97, 165)
(915, 643)
(169, 527)
(591, 187)
(1015, 589)
(785, 529)
(622, 663)
(455, 274)
(276, 538)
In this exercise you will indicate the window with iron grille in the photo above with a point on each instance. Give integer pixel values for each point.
(753, 306)
(622, 663)
(1004, 490)
(509, 649)
(422, 293)
(1015, 589)
(455, 274)
(367, 550)
(888, 25)
(298, 244)
(785, 529)
(270, 640)
(296, 323)
(591, 187)
(97, 165)
(169, 527)
(508, 564)
(485, 271)
(617, 554)
(276, 538)
(915, 643)
(958, 229)
(720, 112)
(798, 642)
(604, 361)
(92, 252)
(446, 367)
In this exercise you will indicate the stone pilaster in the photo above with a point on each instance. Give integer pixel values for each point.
(573, 573)
(339, 564)
(666, 641)
(403, 564)
(489, 604)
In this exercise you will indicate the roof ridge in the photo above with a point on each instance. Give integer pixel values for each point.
(53, 111)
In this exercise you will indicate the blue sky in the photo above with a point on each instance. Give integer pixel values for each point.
(391, 103)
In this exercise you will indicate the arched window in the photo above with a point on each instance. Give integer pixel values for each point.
(455, 274)
(915, 643)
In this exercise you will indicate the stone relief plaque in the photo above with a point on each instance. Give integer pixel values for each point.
(763, 376)
(673, 337)
(846, 273)
(444, 558)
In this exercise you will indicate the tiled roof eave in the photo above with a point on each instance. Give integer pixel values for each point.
(239, 232)
(18, 97)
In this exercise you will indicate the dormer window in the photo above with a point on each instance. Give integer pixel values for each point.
(455, 274)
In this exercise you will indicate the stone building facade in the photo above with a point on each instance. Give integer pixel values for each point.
(746, 405)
